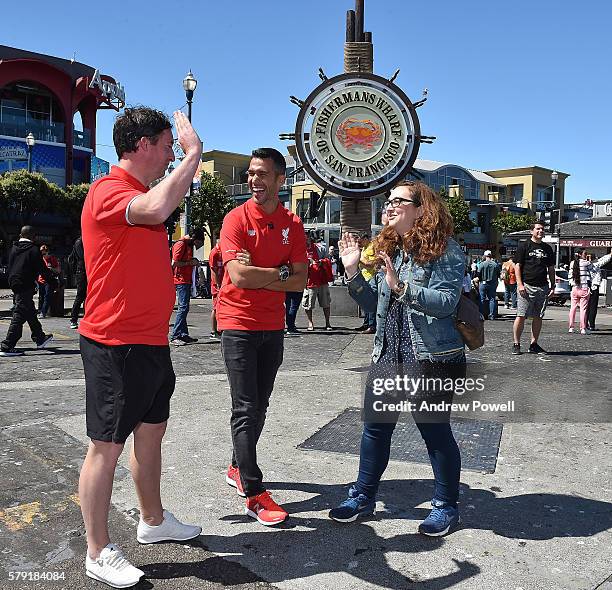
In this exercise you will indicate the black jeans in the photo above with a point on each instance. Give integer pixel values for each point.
(23, 311)
(292, 304)
(592, 307)
(81, 294)
(251, 360)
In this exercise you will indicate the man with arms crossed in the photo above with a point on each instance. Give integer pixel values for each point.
(124, 335)
(264, 251)
(535, 278)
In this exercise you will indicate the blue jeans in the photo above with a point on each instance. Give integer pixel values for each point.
(510, 295)
(369, 319)
(180, 329)
(292, 305)
(434, 428)
(44, 298)
(488, 289)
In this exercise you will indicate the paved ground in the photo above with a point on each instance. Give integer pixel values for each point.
(543, 520)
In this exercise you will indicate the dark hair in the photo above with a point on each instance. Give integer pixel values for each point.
(198, 234)
(271, 154)
(576, 268)
(534, 223)
(135, 123)
(27, 232)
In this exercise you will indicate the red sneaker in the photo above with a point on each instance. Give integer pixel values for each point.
(265, 509)
(233, 479)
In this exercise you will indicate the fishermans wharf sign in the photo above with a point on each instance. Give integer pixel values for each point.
(357, 135)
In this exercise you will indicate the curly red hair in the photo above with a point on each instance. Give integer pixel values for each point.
(428, 238)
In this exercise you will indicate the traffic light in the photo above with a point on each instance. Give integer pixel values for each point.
(171, 222)
(313, 206)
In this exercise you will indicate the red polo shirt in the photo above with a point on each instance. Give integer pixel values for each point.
(272, 240)
(182, 251)
(215, 262)
(130, 293)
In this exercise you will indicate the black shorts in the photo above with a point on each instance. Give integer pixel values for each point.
(125, 385)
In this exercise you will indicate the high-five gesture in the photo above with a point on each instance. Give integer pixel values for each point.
(187, 137)
(350, 252)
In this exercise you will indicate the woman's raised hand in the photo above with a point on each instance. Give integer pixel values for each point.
(350, 252)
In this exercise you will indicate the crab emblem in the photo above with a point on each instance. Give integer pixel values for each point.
(362, 133)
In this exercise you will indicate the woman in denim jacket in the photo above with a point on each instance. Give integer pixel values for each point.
(422, 273)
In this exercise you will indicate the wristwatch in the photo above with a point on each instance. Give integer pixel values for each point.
(284, 272)
(400, 288)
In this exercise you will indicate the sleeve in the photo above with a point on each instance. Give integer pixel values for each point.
(178, 251)
(602, 261)
(110, 201)
(439, 299)
(550, 259)
(298, 250)
(232, 238)
(519, 256)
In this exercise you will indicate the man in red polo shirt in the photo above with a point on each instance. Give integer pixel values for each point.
(215, 263)
(183, 264)
(124, 335)
(264, 251)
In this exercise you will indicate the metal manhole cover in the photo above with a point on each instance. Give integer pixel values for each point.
(478, 440)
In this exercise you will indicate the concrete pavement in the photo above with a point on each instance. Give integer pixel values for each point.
(543, 520)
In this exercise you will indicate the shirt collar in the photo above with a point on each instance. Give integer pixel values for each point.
(125, 175)
(256, 212)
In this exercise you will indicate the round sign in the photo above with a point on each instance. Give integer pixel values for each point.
(357, 136)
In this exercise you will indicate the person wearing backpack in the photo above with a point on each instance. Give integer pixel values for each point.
(76, 260)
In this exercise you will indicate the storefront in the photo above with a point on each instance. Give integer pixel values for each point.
(55, 100)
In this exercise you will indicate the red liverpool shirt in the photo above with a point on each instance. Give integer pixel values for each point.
(130, 293)
(272, 240)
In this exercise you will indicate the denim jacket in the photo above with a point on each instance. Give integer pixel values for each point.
(430, 299)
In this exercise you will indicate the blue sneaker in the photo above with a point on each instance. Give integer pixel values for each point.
(354, 506)
(441, 520)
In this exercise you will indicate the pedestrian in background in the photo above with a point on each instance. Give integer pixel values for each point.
(580, 280)
(534, 265)
(25, 265)
(317, 288)
(488, 273)
(184, 267)
(215, 265)
(508, 275)
(595, 270)
(46, 288)
(77, 262)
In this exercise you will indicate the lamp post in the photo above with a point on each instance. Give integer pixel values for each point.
(554, 177)
(30, 142)
(189, 86)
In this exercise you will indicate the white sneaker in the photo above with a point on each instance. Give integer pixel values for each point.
(571, 330)
(169, 530)
(583, 332)
(113, 568)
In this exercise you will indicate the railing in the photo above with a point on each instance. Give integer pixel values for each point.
(42, 130)
(82, 138)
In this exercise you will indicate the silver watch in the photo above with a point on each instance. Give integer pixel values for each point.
(284, 272)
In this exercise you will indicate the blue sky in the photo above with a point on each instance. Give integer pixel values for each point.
(510, 84)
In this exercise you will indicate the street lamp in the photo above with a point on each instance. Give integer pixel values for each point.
(189, 86)
(554, 177)
(30, 142)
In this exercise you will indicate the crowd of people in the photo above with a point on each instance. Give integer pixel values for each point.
(408, 279)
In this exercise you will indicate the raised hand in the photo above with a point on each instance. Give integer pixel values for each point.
(389, 270)
(350, 252)
(187, 137)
